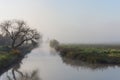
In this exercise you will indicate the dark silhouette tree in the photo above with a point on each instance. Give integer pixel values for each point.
(19, 32)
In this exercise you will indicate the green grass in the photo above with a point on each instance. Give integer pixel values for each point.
(91, 53)
(6, 58)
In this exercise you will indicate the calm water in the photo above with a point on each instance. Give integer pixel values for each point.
(44, 63)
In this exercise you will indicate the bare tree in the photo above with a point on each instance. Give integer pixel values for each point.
(19, 32)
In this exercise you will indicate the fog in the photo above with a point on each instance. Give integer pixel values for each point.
(68, 21)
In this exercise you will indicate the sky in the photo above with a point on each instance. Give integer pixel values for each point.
(68, 21)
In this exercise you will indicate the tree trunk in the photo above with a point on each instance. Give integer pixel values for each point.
(13, 44)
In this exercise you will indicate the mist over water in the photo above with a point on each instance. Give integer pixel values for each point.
(68, 21)
(50, 66)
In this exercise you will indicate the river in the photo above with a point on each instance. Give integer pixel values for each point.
(44, 63)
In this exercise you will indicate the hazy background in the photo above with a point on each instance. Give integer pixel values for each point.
(71, 21)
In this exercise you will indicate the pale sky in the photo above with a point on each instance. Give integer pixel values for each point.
(69, 21)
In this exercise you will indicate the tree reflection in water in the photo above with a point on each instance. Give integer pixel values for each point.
(18, 75)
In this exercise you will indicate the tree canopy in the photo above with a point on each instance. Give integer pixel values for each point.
(19, 32)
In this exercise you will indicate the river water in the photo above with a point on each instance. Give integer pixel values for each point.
(44, 63)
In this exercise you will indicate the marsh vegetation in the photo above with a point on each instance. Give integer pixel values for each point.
(104, 54)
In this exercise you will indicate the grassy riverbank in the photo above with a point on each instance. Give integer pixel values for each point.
(6, 59)
(109, 54)
(7, 56)
(10, 57)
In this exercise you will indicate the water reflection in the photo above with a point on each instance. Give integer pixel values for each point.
(53, 52)
(54, 67)
(80, 64)
(16, 74)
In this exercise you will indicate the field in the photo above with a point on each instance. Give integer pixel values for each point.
(109, 54)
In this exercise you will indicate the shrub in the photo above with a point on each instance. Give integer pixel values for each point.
(15, 51)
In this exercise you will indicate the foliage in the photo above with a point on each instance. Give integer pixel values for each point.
(15, 51)
(54, 43)
(6, 58)
(90, 54)
(16, 40)
(17, 32)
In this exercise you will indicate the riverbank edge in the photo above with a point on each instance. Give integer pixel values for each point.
(17, 59)
(93, 57)
(17, 56)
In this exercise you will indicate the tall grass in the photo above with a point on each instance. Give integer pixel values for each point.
(91, 53)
